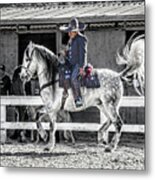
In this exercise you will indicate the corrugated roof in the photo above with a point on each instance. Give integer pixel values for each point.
(60, 13)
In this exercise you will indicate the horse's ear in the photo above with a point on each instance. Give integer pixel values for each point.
(31, 47)
(30, 44)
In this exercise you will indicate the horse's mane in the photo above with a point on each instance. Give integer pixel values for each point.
(49, 57)
(51, 62)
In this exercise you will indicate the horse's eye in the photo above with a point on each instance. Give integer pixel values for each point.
(27, 59)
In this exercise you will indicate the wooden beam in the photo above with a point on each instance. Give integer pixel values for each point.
(60, 126)
(71, 126)
(21, 100)
(58, 40)
(2, 121)
(132, 101)
(90, 19)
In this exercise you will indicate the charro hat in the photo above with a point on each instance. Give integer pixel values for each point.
(74, 26)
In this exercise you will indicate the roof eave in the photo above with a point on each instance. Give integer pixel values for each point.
(93, 19)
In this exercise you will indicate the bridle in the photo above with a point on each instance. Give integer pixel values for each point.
(28, 59)
(29, 72)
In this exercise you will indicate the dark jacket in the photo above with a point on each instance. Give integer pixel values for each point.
(77, 50)
(17, 84)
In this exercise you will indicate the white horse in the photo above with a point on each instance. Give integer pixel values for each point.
(40, 61)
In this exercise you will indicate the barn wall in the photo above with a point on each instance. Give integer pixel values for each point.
(102, 47)
(9, 50)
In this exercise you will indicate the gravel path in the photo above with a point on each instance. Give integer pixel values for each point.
(81, 155)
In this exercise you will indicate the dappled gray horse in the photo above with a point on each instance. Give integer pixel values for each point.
(40, 61)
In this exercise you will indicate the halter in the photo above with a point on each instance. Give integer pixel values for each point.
(48, 84)
(28, 58)
(30, 72)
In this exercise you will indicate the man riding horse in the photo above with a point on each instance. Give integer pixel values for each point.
(39, 60)
(75, 55)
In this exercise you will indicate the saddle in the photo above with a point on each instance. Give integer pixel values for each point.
(89, 80)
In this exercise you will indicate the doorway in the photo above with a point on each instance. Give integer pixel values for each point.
(46, 39)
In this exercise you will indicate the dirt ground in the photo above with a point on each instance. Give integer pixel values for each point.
(81, 155)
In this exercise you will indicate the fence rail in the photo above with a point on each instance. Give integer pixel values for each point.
(70, 126)
(131, 101)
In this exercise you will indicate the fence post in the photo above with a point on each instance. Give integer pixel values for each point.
(102, 135)
(3, 120)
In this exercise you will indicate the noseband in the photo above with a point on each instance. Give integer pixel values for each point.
(29, 72)
(28, 59)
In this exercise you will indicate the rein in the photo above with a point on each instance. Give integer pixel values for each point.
(26, 68)
(48, 84)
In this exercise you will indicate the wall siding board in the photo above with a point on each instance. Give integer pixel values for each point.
(9, 50)
(102, 47)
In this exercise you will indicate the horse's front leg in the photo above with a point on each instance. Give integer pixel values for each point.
(52, 131)
(41, 130)
(52, 105)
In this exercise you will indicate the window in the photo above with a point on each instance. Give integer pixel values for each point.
(131, 32)
(46, 39)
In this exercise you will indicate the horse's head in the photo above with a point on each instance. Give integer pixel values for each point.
(29, 64)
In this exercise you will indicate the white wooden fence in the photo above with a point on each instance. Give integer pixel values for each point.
(131, 101)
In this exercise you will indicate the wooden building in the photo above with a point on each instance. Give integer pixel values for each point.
(109, 25)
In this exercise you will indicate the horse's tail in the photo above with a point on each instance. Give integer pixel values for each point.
(132, 56)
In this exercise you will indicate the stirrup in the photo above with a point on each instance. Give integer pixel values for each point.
(79, 103)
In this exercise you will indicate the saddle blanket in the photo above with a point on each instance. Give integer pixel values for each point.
(89, 80)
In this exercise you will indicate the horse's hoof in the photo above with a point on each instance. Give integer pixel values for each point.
(49, 147)
(73, 142)
(104, 143)
(46, 149)
(108, 149)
